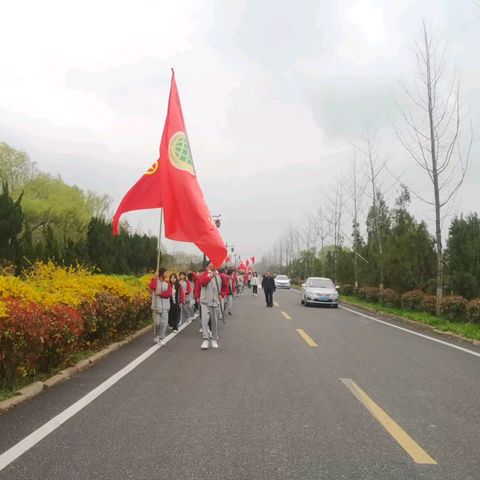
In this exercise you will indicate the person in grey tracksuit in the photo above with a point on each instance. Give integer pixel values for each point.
(161, 304)
(211, 286)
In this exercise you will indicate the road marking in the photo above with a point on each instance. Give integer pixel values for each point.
(286, 315)
(276, 304)
(10, 455)
(418, 454)
(466, 350)
(308, 339)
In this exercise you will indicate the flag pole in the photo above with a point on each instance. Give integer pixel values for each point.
(159, 239)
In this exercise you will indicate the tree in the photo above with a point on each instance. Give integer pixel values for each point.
(409, 249)
(16, 168)
(433, 127)
(463, 256)
(11, 221)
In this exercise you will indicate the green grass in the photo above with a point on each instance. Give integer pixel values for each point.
(467, 330)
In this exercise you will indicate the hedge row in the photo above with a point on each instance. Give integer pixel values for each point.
(37, 337)
(454, 307)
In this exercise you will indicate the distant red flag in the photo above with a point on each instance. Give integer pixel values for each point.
(227, 259)
(187, 217)
(242, 267)
(253, 259)
(247, 263)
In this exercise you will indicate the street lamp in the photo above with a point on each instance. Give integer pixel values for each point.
(217, 220)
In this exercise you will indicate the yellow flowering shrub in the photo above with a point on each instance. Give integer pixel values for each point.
(52, 312)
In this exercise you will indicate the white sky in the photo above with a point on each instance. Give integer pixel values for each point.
(274, 93)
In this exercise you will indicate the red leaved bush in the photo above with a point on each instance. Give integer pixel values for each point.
(34, 338)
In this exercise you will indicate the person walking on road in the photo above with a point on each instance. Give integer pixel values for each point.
(268, 285)
(187, 312)
(230, 293)
(177, 299)
(211, 285)
(240, 284)
(161, 293)
(254, 283)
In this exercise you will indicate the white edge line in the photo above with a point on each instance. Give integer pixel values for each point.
(452, 345)
(10, 455)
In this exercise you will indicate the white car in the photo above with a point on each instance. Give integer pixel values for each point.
(318, 290)
(282, 281)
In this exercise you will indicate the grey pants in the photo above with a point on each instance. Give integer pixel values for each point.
(187, 312)
(212, 314)
(229, 304)
(161, 323)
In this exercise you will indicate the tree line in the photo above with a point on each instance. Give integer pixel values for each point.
(43, 218)
(394, 249)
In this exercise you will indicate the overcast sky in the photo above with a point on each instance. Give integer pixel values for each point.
(274, 94)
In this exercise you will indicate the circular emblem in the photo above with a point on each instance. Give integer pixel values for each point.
(152, 169)
(179, 153)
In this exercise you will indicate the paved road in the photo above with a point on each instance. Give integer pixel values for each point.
(304, 394)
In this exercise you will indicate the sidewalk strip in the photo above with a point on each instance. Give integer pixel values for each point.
(7, 457)
(418, 454)
(276, 304)
(442, 342)
(307, 338)
(286, 315)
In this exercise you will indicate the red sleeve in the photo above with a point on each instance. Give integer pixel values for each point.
(196, 290)
(204, 279)
(182, 295)
(224, 292)
(153, 283)
(167, 293)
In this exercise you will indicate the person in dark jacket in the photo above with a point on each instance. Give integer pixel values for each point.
(268, 285)
(176, 301)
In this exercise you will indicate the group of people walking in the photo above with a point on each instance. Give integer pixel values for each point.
(207, 295)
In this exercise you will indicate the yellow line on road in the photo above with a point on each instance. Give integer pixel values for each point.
(308, 339)
(418, 454)
(286, 315)
(276, 304)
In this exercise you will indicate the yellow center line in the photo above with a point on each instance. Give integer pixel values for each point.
(276, 304)
(286, 315)
(418, 454)
(307, 338)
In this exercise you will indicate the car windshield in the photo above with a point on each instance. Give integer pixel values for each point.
(320, 283)
(282, 277)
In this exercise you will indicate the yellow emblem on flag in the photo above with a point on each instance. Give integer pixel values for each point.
(180, 154)
(152, 169)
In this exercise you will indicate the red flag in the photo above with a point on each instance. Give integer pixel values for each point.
(253, 259)
(227, 259)
(187, 217)
(247, 263)
(242, 267)
(145, 194)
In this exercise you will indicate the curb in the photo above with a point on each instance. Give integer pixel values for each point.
(413, 323)
(33, 389)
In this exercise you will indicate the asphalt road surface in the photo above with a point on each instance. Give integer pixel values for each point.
(292, 393)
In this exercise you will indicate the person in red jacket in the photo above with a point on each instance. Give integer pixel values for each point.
(176, 301)
(223, 291)
(161, 293)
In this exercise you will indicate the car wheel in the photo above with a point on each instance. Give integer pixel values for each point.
(335, 306)
(306, 303)
(301, 300)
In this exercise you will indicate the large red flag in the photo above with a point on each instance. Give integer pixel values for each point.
(186, 214)
(145, 194)
(187, 217)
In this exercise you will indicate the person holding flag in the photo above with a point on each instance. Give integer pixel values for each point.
(161, 293)
(211, 287)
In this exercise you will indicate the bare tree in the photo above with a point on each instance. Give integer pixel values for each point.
(334, 206)
(432, 133)
(355, 190)
(375, 168)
